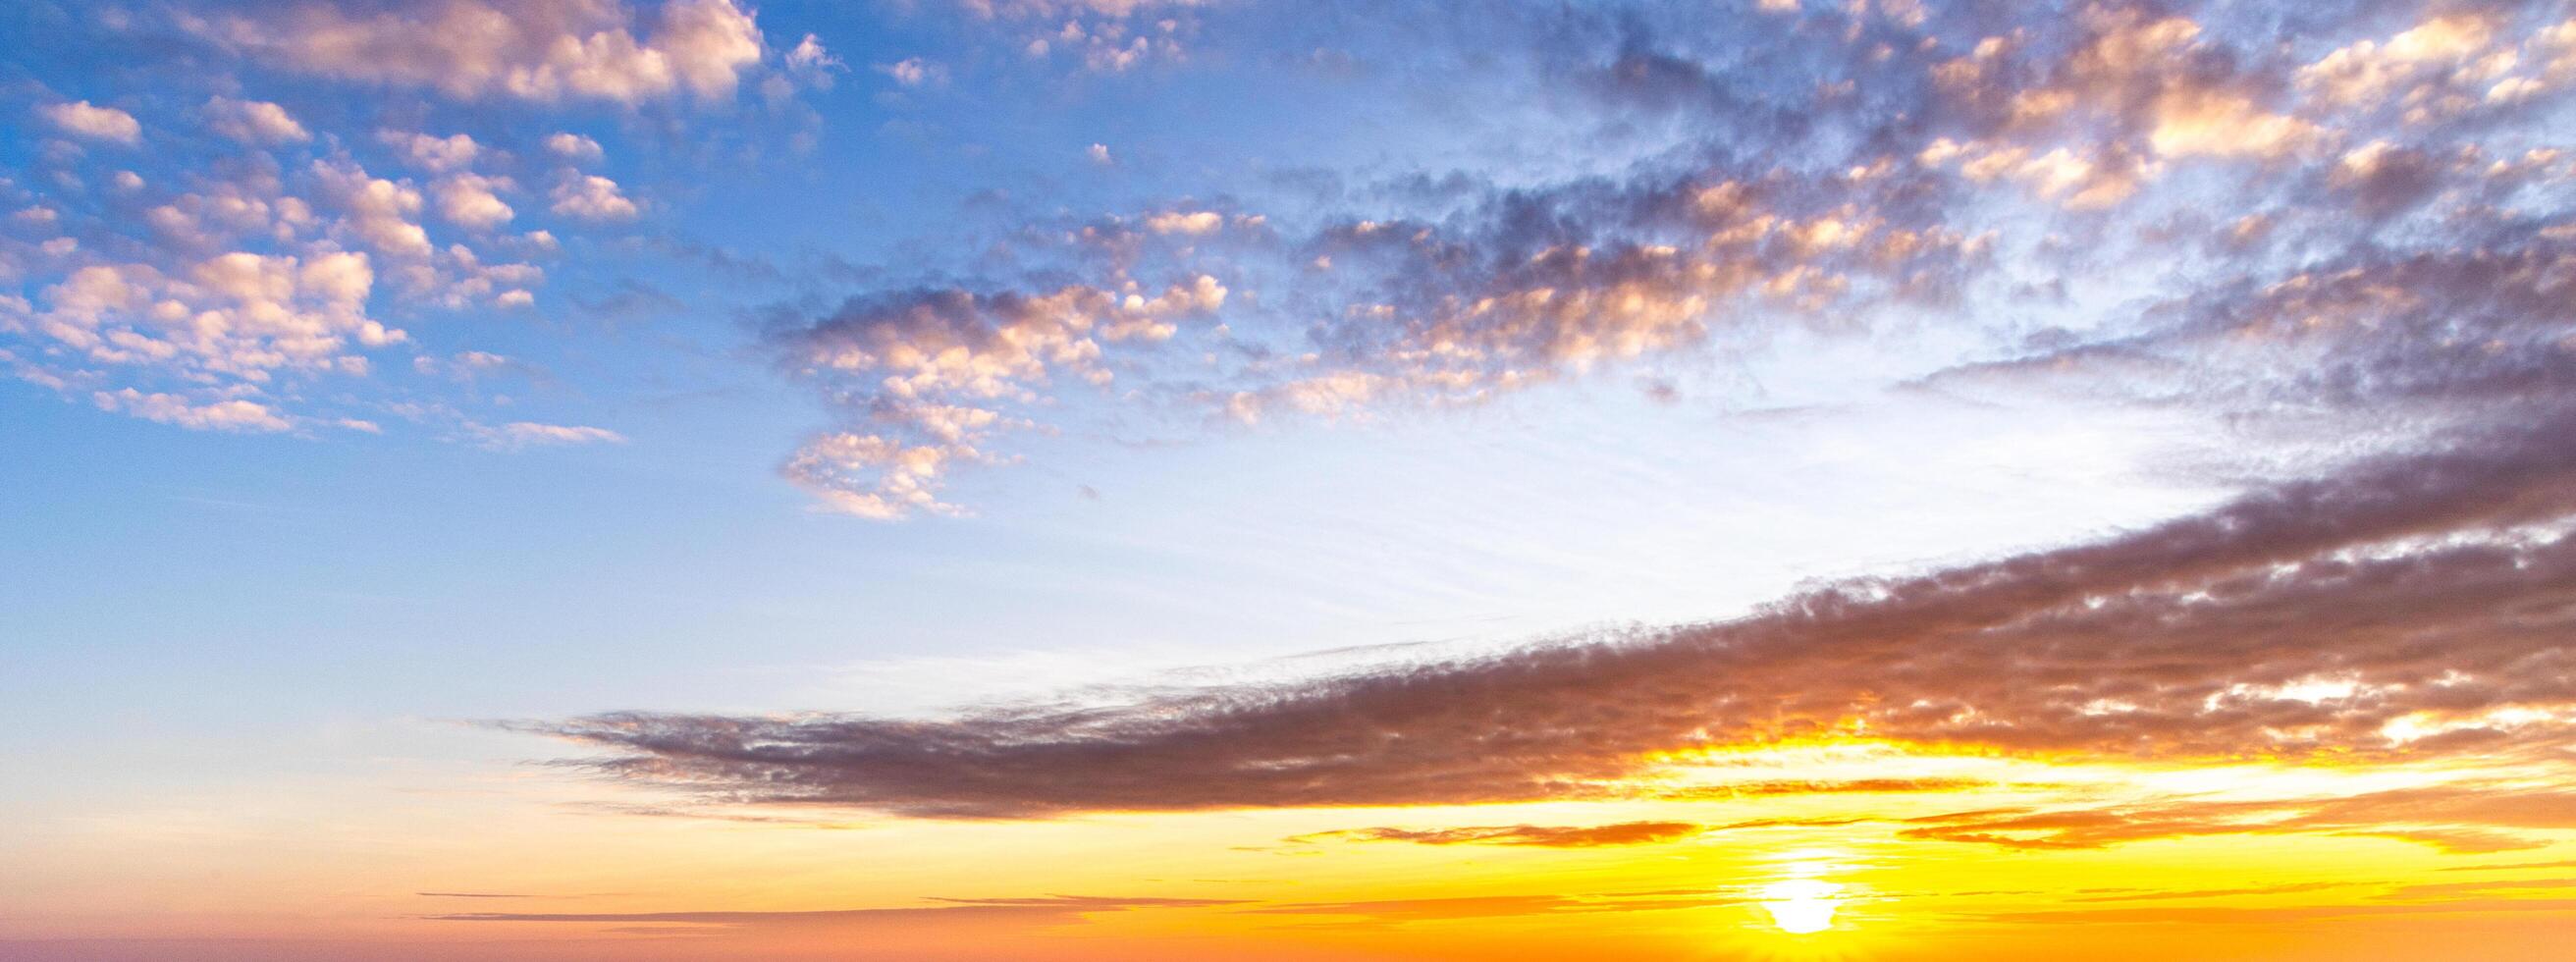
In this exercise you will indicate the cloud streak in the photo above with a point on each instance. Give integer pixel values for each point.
(2418, 584)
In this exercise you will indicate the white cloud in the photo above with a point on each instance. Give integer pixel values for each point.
(812, 64)
(232, 415)
(470, 200)
(436, 154)
(935, 364)
(573, 147)
(520, 434)
(379, 211)
(255, 122)
(592, 197)
(82, 119)
(914, 72)
(543, 50)
(1185, 222)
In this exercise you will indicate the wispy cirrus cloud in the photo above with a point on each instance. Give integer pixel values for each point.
(974, 911)
(1542, 836)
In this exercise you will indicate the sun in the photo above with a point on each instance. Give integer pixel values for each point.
(1800, 906)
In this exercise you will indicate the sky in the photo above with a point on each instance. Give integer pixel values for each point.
(1118, 479)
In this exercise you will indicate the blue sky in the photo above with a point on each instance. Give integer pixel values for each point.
(634, 543)
(1144, 525)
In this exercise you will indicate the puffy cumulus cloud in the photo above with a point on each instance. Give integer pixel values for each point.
(254, 122)
(215, 298)
(233, 415)
(221, 331)
(542, 50)
(471, 200)
(573, 148)
(1185, 222)
(382, 214)
(88, 121)
(2087, 116)
(1539, 285)
(593, 198)
(231, 211)
(914, 72)
(2443, 66)
(437, 155)
(236, 316)
(1102, 36)
(457, 277)
(810, 63)
(929, 374)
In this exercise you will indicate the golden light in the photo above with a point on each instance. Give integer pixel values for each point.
(1800, 906)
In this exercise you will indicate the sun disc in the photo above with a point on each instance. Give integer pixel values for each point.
(1800, 906)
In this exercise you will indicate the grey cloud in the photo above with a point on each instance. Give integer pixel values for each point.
(2173, 641)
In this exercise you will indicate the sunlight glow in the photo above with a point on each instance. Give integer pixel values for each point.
(1800, 906)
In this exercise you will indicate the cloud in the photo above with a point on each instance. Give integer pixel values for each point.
(1849, 171)
(573, 148)
(1499, 906)
(1185, 222)
(220, 293)
(1543, 836)
(1051, 909)
(1860, 786)
(939, 363)
(437, 155)
(809, 62)
(2432, 816)
(85, 120)
(381, 214)
(2190, 639)
(2450, 889)
(237, 316)
(2266, 915)
(539, 50)
(914, 72)
(593, 198)
(233, 415)
(2180, 894)
(522, 434)
(255, 122)
(470, 200)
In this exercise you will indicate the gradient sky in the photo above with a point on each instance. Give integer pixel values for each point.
(1113, 479)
